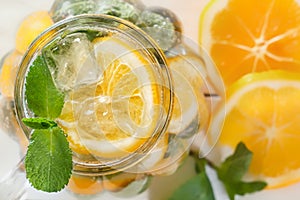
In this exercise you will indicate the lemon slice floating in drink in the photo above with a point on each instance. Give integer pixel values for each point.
(118, 113)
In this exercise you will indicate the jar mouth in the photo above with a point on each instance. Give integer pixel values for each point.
(139, 40)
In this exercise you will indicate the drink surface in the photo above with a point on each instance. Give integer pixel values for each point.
(113, 93)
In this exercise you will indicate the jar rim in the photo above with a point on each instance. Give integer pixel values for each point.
(89, 20)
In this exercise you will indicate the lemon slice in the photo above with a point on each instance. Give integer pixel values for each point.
(190, 107)
(8, 73)
(33, 25)
(262, 110)
(114, 116)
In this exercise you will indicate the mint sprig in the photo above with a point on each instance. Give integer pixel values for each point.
(197, 188)
(48, 161)
(230, 173)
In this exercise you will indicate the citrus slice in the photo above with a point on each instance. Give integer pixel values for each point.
(156, 156)
(84, 185)
(30, 28)
(244, 36)
(190, 107)
(10, 67)
(119, 181)
(177, 152)
(115, 115)
(262, 110)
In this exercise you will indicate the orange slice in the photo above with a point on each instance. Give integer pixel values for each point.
(244, 36)
(262, 110)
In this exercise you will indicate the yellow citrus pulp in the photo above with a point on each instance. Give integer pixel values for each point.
(244, 36)
(115, 115)
(30, 28)
(117, 182)
(10, 67)
(85, 185)
(262, 110)
(189, 101)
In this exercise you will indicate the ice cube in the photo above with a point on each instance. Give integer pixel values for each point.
(72, 61)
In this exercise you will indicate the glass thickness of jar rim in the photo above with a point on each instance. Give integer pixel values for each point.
(136, 38)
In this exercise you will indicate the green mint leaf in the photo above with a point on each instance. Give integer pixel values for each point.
(48, 161)
(234, 168)
(38, 123)
(43, 98)
(197, 188)
(236, 165)
(243, 188)
(200, 164)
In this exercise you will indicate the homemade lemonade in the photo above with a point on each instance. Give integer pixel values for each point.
(105, 85)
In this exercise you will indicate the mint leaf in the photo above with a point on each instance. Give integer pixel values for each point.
(248, 187)
(197, 188)
(236, 165)
(43, 98)
(38, 123)
(232, 171)
(199, 164)
(48, 161)
(242, 188)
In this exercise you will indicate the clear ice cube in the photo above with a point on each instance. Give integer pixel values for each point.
(72, 61)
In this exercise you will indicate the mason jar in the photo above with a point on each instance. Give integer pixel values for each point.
(129, 112)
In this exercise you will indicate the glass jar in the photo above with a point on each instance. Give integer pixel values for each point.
(174, 108)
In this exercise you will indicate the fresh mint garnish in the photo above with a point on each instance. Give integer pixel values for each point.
(230, 173)
(43, 98)
(48, 161)
(39, 123)
(197, 188)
